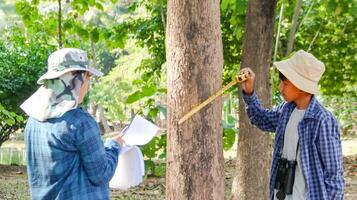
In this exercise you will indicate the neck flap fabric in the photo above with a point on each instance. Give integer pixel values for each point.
(55, 97)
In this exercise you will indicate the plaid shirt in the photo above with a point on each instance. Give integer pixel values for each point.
(320, 146)
(66, 158)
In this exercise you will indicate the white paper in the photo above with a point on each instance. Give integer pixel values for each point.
(130, 169)
(139, 132)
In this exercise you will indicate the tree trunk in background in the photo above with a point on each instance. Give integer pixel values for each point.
(294, 23)
(59, 24)
(195, 163)
(103, 120)
(96, 107)
(254, 147)
(93, 106)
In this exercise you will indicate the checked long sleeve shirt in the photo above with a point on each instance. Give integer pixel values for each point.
(320, 146)
(66, 158)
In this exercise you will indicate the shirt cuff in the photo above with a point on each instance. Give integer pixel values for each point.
(113, 144)
(249, 99)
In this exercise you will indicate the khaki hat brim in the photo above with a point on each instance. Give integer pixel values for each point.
(299, 81)
(53, 74)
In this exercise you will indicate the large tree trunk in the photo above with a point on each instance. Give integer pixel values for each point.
(254, 147)
(195, 164)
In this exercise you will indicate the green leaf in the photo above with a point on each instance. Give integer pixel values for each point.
(160, 170)
(224, 5)
(99, 6)
(94, 34)
(228, 138)
(150, 149)
(19, 118)
(67, 25)
(138, 82)
(153, 112)
(162, 90)
(10, 121)
(149, 90)
(242, 6)
(149, 166)
(354, 8)
(134, 97)
(231, 120)
(83, 33)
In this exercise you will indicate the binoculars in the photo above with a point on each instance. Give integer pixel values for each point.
(285, 175)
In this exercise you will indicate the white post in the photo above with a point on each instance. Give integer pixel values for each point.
(10, 156)
(0, 156)
(23, 156)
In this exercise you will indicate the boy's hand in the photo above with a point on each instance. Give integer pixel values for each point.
(248, 85)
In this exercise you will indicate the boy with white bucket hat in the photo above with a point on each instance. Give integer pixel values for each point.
(66, 158)
(307, 157)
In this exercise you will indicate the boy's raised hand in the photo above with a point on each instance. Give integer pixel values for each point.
(248, 85)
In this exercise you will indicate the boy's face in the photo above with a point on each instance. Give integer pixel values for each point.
(289, 91)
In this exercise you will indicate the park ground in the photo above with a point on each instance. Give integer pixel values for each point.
(13, 179)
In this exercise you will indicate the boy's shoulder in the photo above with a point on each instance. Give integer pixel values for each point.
(319, 112)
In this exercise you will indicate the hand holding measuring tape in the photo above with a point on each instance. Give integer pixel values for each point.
(243, 76)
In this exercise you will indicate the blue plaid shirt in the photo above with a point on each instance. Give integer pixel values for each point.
(66, 158)
(320, 146)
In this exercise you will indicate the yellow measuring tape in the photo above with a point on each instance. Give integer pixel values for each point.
(240, 78)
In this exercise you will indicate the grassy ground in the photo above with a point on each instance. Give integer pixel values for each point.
(13, 180)
(13, 183)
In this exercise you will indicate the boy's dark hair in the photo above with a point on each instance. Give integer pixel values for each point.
(282, 77)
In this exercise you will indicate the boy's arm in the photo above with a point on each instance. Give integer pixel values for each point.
(264, 119)
(329, 146)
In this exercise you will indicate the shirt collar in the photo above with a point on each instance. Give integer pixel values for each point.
(310, 110)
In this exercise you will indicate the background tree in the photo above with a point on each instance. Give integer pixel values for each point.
(22, 61)
(9, 122)
(257, 47)
(194, 59)
(294, 24)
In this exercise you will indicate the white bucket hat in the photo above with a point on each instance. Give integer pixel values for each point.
(66, 60)
(303, 70)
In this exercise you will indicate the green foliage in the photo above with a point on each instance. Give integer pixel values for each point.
(9, 122)
(232, 27)
(145, 91)
(328, 32)
(8, 118)
(149, 32)
(229, 132)
(22, 61)
(344, 109)
(336, 47)
(155, 150)
(111, 93)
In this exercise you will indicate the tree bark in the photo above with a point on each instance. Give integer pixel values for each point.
(59, 24)
(103, 120)
(294, 23)
(254, 148)
(195, 164)
(93, 105)
(96, 107)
